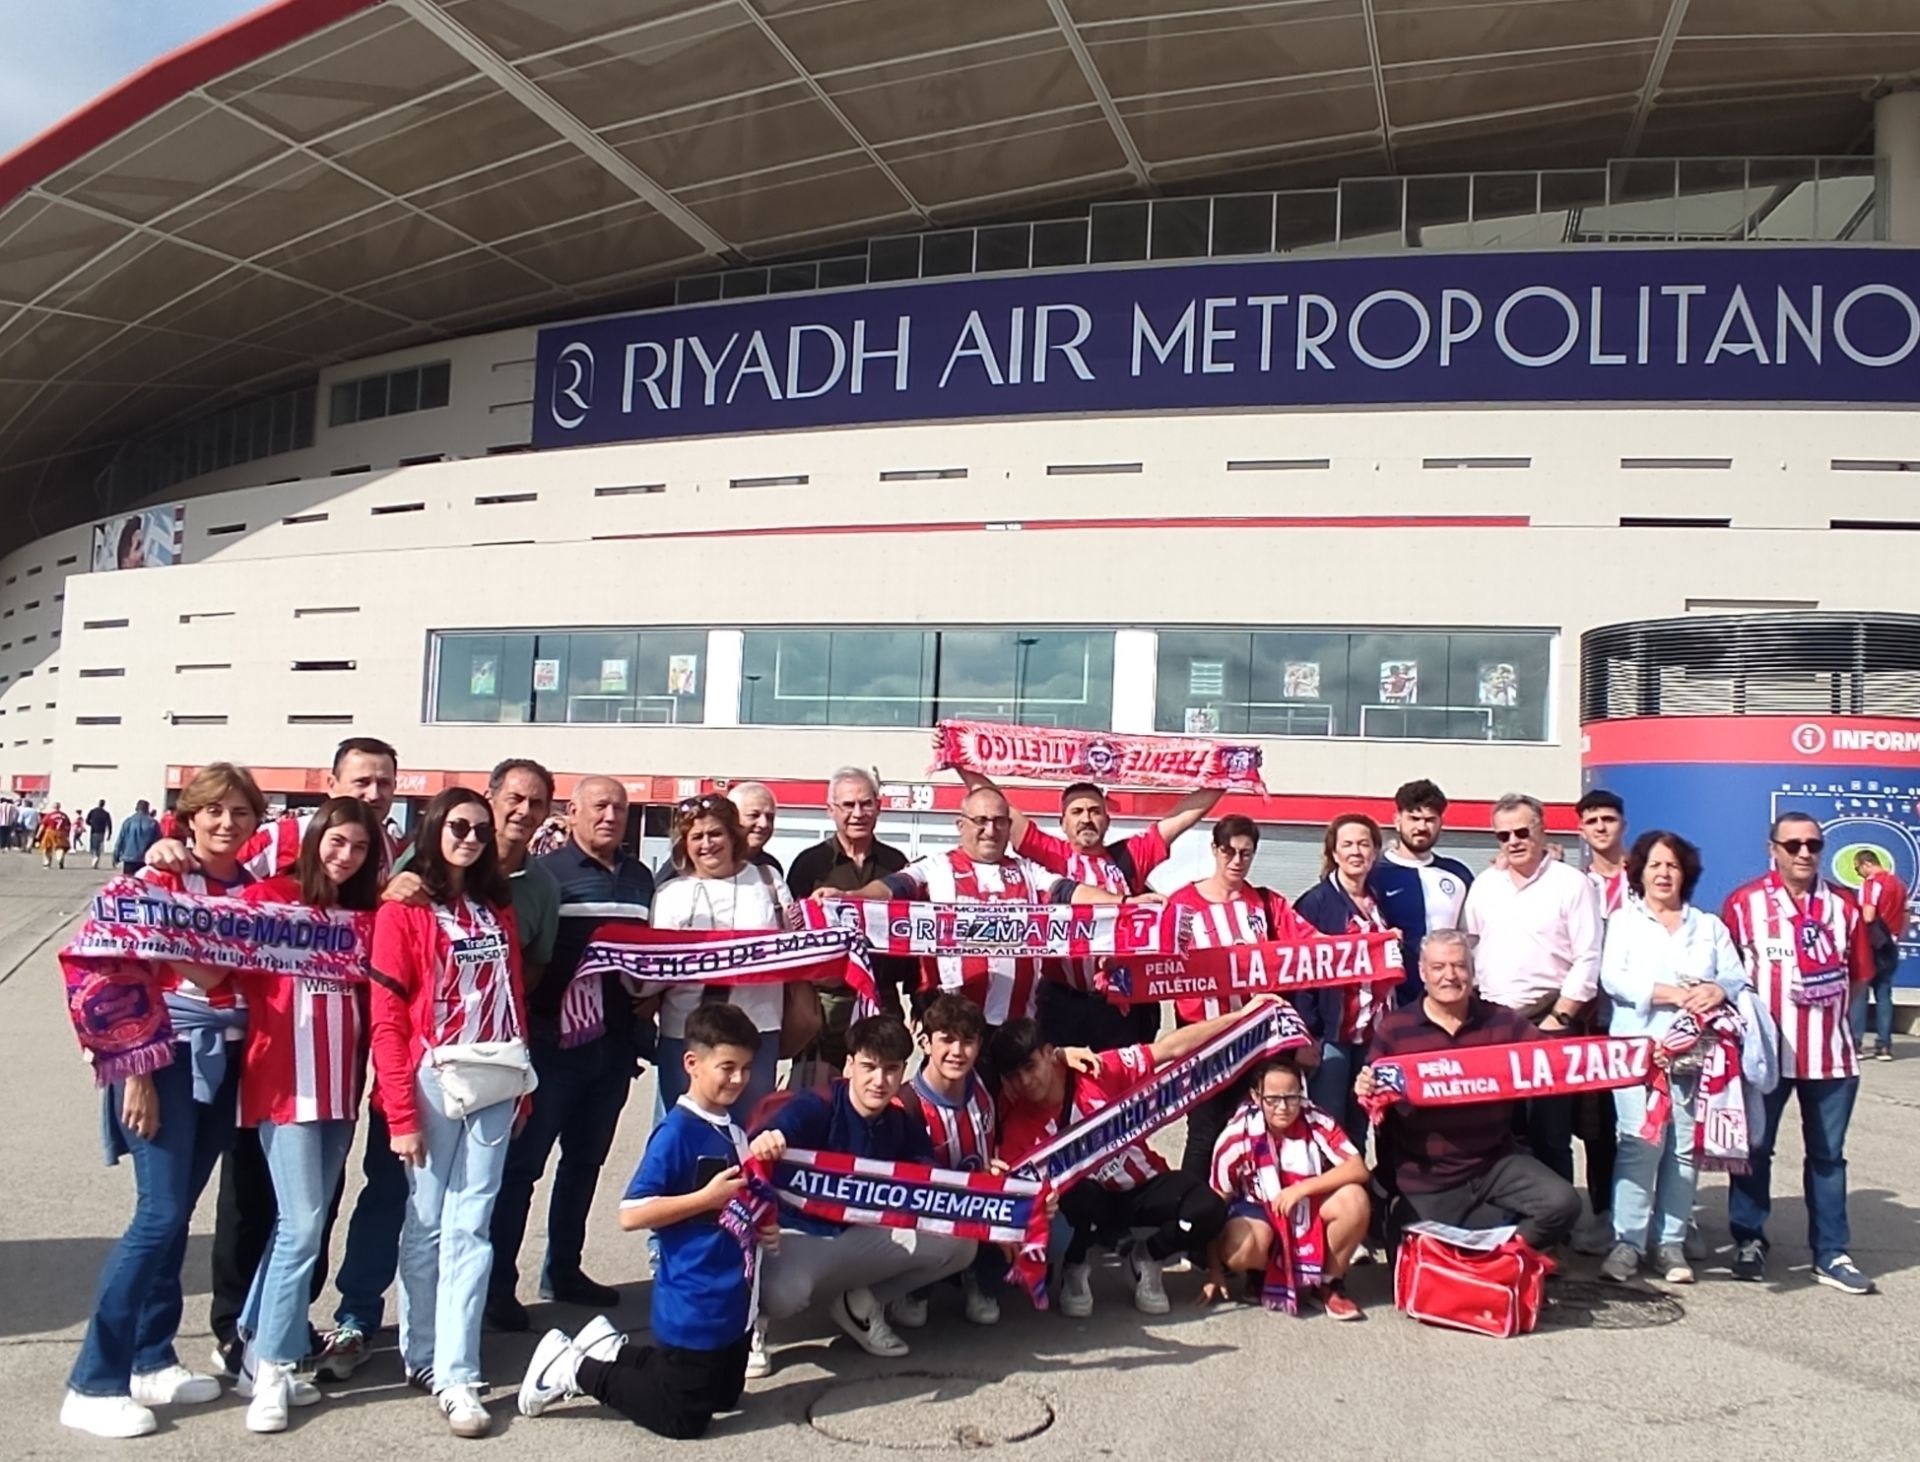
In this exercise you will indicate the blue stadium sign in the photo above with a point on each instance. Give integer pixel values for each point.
(1748, 324)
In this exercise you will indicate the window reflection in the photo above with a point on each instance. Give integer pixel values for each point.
(613, 677)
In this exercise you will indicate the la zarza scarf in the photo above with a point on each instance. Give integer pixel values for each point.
(1469, 1074)
(1271, 967)
(1053, 755)
(111, 965)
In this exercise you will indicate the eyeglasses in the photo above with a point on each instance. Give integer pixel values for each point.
(1285, 1099)
(986, 824)
(1236, 855)
(1796, 846)
(1513, 835)
(462, 829)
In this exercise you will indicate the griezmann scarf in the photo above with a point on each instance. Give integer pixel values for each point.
(1720, 1136)
(1297, 1261)
(1272, 966)
(1517, 1072)
(1008, 930)
(111, 964)
(1052, 754)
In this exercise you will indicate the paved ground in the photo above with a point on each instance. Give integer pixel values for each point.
(1784, 1370)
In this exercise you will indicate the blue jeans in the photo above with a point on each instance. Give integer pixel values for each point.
(445, 1252)
(1330, 1085)
(1880, 988)
(306, 1160)
(1825, 1109)
(1654, 1182)
(578, 1103)
(136, 1309)
(672, 1073)
(373, 1233)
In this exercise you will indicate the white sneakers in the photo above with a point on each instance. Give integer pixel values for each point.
(909, 1311)
(1076, 1291)
(272, 1387)
(1149, 1293)
(112, 1417)
(466, 1417)
(759, 1363)
(175, 1386)
(300, 1391)
(982, 1308)
(860, 1315)
(554, 1374)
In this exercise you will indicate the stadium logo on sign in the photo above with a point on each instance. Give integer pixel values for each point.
(1809, 739)
(572, 386)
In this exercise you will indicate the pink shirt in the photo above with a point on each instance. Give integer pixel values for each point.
(1537, 938)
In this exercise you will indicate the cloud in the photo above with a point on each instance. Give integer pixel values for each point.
(61, 56)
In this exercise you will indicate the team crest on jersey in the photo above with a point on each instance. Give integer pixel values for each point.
(1447, 886)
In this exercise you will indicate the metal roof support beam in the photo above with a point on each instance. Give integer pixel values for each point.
(1083, 58)
(492, 65)
(1379, 83)
(1656, 73)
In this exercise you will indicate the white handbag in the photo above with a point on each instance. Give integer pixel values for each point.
(474, 1075)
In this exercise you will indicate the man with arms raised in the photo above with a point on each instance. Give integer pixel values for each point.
(583, 1087)
(1805, 948)
(1069, 1011)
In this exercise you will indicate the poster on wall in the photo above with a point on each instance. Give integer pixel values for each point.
(148, 539)
(546, 675)
(1499, 685)
(1399, 682)
(1202, 720)
(1206, 677)
(1302, 680)
(683, 674)
(613, 676)
(484, 675)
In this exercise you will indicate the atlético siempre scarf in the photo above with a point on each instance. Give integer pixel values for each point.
(1272, 967)
(1526, 1069)
(985, 1207)
(1720, 1137)
(641, 955)
(1297, 1261)
(1007, 931)
(111, 966)
(1051, 755)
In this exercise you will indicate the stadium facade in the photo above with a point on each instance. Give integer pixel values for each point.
(702, 392)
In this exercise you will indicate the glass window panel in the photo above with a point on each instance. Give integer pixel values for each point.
(947, 253)
(1372, 212)
(436, 385)
(470, 682)
(881, 678)
(1844, 204)
(697, 290)
(793, 278)
(303, 418)
(260, 429)
(1780, 197)
(1713, 199)
(1243, 224)
(894, 258)
(842, 273)
(740, 284)
(549, 672)
(783, 680)
(1026, 676)
(1180, 228)
(403, 392)
(1203, 684)
(345, 400)
(1299, 684)
(1397, 686)
(1640, 201)
(1119, 232)
(373, 398)
(1060, 244)
(1504, 678)
(1437, 211)
(668, 678)
(1506, 210)
(280, 433)
(1006, 246)
(1306, 222)
(1569, 201)
(600, 678)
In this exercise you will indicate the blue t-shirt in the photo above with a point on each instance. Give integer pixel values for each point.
(831, 1123)
(701, 1299)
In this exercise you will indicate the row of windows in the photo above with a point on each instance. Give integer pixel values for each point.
(245, 433)
(1380, 684)
(392, 393)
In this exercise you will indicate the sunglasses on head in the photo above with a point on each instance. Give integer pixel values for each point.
(464, 828)
(694, 806)
(1796, 846)
(1513, 835)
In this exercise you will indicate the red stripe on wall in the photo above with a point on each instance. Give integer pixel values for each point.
(167, 80)
(1068, 525)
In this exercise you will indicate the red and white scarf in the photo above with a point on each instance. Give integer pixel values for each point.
(1721, 1142)
(1055, 755)
(1297, 1261)
(1468, 1074)
(1271, 967)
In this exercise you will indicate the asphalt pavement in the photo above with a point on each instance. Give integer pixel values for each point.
(1783, 1369)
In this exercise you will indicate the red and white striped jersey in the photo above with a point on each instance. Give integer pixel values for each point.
(961, 1133)
(227, 995)
(1816, 1041)
(1004, 988)
(1612, 888)
(275, 849)
(306, 1040)
(1361, 1004)
(1024, 1128)
(1246, 918)
(473, 999)
(1313, 1145)
(1120, 867)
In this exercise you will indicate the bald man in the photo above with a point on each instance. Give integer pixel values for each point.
(584, 1087)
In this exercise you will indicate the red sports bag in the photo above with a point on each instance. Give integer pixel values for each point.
(1496, 1292)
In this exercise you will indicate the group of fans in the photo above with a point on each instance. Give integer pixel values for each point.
(478, 927)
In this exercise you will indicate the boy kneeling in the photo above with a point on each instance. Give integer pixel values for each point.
(702, 1300)
(1282, 1161)
(856, 1269)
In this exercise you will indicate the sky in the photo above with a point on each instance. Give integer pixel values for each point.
(57, 55)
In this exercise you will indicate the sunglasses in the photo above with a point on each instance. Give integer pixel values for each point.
(462, 829)
(1513, 835)
(1797, 846)
(1236, 855)
(694, 806)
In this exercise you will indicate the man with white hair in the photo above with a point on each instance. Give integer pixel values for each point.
(757, 806)
(849, 858)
